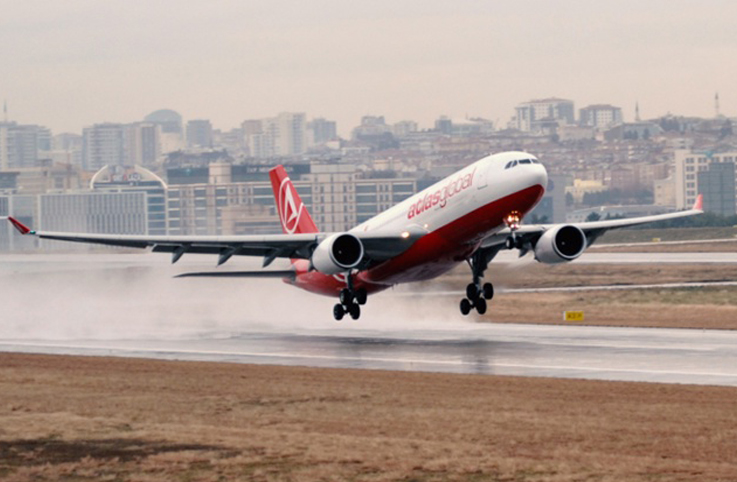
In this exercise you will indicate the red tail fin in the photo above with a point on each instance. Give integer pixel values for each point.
(292, 212)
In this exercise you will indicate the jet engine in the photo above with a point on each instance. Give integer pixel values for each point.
(560, 244)
(337, 253)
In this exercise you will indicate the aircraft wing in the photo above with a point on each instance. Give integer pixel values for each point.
(531, 233)
(378, 246)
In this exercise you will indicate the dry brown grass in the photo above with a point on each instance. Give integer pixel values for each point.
(537, 275)
(711, 247)
(674, 234)
(73, 418)
(714, 308)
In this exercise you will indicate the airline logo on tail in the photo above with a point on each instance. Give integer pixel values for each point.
(293, 213)
(289, 212)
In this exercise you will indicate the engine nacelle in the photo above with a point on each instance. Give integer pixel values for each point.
(560, 244)
(337, 253)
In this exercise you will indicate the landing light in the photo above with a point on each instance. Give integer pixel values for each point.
(512, 220)
(405, 234)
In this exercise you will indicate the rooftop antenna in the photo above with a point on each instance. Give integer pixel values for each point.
(5, 110)
(637, 112)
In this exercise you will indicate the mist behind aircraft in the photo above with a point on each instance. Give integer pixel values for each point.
(134, 297)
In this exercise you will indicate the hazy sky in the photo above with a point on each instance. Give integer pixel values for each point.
(72, 63)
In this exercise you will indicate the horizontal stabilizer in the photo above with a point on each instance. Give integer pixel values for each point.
(239, 274)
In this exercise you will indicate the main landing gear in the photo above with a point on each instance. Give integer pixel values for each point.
(478, 294)
(350, 301)
(476, 297)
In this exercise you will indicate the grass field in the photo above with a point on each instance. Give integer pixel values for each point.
(83, 419)
(710, 307)
(672, 234)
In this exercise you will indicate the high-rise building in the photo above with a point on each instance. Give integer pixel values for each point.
(91, 212)
(544, 114)
(689, 168)
(717, 185)
(322, 130)
(463, 127)
(66, 148)
(142, 144)
(22, 145)
(199, 133)
(120, 145)
(281, 136)
(103, 145)
(137, 179)
(600, 116)
(404, 128)
(172, 138)
(371, 125)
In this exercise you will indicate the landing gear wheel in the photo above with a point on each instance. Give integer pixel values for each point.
(465, 306)
(481, 306)
(361, 296)
(354, 310)
(509, 243)
(488, 291)
(472, 291)
(345, 296)
(338, 312)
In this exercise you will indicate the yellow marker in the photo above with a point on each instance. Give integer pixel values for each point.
(656, 240)
(573, 316)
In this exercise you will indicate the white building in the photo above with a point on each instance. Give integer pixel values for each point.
(687, 166)
(142, 144)
(600, 116)
(103, 145)
(280, 136)
(404, 128)
(544, 114)
(22, 145)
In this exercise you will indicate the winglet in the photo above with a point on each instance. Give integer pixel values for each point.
(22, 228)
(699, 204)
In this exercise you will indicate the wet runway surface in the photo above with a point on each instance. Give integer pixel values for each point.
(652, 355)
(127, 307)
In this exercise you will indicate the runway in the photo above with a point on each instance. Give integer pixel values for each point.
(646, 355)
(129, 306)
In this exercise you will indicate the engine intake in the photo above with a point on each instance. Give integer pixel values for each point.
(337, 253)
(560, 244)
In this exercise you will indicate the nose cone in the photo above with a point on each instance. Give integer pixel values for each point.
(539, 175)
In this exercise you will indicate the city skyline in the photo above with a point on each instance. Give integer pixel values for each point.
(81, 63)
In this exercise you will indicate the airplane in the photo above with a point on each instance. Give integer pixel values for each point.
(467, 217)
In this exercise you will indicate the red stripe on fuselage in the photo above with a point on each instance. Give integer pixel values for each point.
(432, 255)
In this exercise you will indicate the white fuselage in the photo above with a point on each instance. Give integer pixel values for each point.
(465, 191)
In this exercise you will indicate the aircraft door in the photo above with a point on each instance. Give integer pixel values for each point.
(482, 177)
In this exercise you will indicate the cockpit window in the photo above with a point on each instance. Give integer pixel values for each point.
(512, 164)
